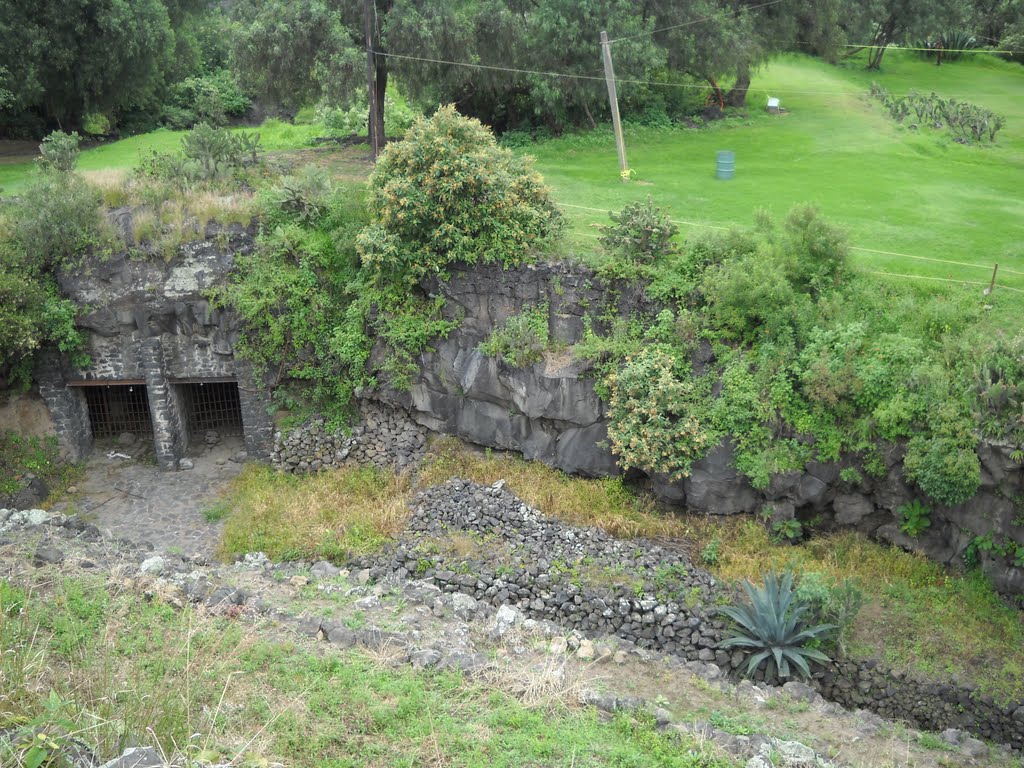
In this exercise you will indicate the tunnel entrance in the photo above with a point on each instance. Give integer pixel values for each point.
(211, 405)
(117, 408)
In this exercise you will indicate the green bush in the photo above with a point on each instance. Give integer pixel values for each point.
(521, 341)
(210, 98)
(830, 602)
(813, 251)
(213, 150)
(398, 118)
(59, 151)
(750, 297)
(293, 294)
(655, 412)
(446, 194)
(681, 274)
(57, 219)
(945, 468)
(915, 518)
(811, 361)
(640, 233)
(999, 389)
(304, 196)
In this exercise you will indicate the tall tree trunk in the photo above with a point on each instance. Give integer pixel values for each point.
(590, 117)
(737, 95)
(883, 35)
(377, 72)
(381, 88)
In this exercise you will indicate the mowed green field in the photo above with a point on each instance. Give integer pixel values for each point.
(17, 163)
(894, 189)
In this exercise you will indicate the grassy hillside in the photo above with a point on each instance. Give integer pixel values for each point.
(893, 188)
(17, 162)
(912, 200)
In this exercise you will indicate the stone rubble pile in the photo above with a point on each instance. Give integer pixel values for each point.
(385, 437)
(649, 596)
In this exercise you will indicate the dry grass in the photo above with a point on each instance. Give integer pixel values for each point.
(330, 515)
(113, 184)
(165, 217)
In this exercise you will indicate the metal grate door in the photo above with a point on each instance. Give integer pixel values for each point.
(212, 405)
(117, 408)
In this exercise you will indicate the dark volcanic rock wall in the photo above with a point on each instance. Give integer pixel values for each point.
(550, 412)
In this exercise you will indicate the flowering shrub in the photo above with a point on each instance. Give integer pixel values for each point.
(448, 193)
(653, 413)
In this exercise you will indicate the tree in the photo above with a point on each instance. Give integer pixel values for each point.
(296, 52)
(895, 20)
(6, 97)
(711, 38)
(448, 193)
(80, 56)
(112, 58)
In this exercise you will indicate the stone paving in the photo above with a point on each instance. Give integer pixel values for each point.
(132, 499)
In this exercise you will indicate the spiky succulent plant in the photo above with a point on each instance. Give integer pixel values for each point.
(770, 628)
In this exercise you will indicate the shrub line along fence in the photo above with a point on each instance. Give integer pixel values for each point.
(861, 249)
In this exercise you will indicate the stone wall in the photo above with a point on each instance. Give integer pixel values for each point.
(581, 578)
(385, 437)
(549, 411)
(148, 320)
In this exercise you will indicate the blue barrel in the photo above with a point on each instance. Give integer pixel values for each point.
(726, 165)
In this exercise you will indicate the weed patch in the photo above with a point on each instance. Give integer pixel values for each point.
(327, 516)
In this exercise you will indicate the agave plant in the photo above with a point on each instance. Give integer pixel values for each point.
(770, 628)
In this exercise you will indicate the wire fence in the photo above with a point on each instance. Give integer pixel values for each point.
(859, 249)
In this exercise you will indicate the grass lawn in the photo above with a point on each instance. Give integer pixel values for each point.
(84, 658)
(16, 165)
(894, 189)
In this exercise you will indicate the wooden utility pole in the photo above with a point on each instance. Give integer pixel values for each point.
(369, 11)
(992, 285)
(613, 100)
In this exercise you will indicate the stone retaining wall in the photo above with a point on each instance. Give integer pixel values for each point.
(580, 578)
(148, 320)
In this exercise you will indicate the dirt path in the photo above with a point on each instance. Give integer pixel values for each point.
(132, 499)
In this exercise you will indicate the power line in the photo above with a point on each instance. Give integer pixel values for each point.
(595, 78)
(622, 80)
(929, 258)
(895, 47)
(945, 280)
(694, 21)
